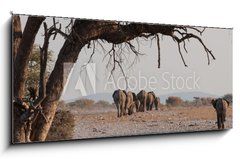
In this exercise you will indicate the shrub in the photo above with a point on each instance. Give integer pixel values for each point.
(174, 101)
(82, 103)
(103, 103)
(62, 127)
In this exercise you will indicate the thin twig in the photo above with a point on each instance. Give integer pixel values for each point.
(158, 45)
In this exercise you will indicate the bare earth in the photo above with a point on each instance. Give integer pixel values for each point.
(104, 123)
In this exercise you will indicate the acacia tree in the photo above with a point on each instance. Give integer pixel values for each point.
(84, 33)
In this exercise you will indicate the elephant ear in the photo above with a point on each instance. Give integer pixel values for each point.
(214, 103)
(114, 93)
(154, 95)
(228, 102)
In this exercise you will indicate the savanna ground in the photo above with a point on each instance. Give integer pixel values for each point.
(103, 122)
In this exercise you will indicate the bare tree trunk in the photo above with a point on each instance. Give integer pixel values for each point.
(54, 89)
(68, 54)
(22, 54)
(22, 57)
(17, 35)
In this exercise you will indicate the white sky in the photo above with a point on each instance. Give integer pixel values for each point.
(215, 78)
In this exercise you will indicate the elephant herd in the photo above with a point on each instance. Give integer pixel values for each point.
(127, 101)
(144, 101)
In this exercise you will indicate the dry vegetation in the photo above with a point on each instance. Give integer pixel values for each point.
(63, 125)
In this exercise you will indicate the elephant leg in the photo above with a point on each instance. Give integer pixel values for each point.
(137, 107)
(118, 111)
(156, 107)
(126, 111)
(151, 106)
(129, 111)
(223, 120)
(123, 108)
(219, 121)
(140, 107)
(144, 105)
(224, 115)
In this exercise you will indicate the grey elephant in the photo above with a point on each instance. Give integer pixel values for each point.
(157, 103)
(150, 100)
(220, 106)
(119, 97)
(131, 102)
(142, 98)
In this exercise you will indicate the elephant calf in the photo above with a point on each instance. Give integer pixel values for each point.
(220, 106)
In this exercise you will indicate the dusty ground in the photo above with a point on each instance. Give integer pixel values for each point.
(104, 123)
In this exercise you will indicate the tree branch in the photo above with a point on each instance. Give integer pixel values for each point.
(187, 36)
(158, 46)
(179, 50)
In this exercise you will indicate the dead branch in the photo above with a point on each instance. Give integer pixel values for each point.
(194, 28)
(93, 52)
(179, 50)
(187, 36)
(132, 48)
(158, 45)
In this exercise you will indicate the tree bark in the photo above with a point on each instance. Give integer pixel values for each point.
(54, 88)
(17, 35)
(21, 54)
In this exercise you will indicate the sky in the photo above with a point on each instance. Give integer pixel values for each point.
(171, 77)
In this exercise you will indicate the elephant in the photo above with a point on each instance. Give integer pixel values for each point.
(119, 97)
(142, 98)
(220, 106)
(131, 102)
(157, 103)
(150, 100)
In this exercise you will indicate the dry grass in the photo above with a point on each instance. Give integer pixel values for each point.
(62, 127)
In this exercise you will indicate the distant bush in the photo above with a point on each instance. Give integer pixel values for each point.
(200, 101)
(62, 127)
(174, 101)
(102, 103)
(228, 97)
(83, 103)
